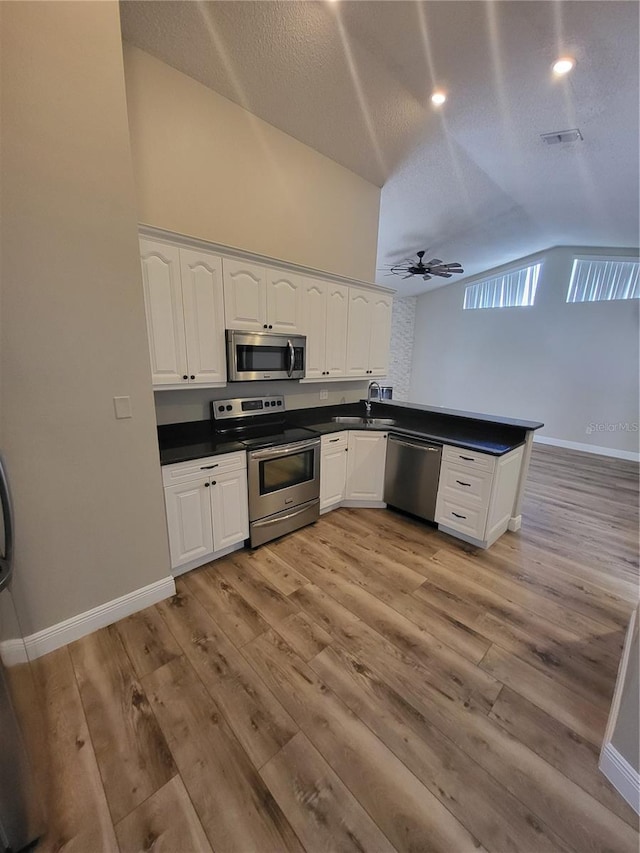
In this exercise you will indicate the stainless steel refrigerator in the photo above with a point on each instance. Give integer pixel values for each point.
(20, 808)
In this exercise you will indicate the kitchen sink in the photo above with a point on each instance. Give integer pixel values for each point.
(343, 419)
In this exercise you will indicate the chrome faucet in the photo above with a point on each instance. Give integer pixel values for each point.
(367, 405)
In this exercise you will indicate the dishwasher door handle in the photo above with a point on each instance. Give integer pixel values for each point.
(430, 448)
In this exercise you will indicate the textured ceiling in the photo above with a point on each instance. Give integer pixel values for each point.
(471, 182)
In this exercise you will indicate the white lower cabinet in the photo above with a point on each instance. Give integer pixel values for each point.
(333, 470)
(365, 466)
(206, 505)
(476, 493)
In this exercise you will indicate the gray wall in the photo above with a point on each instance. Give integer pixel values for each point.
(87, 489)
(567, 365)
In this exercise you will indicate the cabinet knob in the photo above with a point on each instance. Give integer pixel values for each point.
(192, 377)
(265, 326)
(185, 376)
(213, 482)
(271, 327)
(206, 485)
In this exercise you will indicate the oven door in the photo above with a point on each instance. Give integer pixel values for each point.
(283, 477)
(258, 355)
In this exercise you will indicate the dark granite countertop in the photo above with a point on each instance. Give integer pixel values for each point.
(473, 431)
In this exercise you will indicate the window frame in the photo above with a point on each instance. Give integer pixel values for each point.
(509, 271)
(624, 259)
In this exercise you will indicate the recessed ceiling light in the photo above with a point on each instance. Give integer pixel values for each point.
(563, 66)
(438, 98)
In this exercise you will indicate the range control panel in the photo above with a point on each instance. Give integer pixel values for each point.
(240, 408)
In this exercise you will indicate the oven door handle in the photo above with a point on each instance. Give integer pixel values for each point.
(284, 450)
(280, 518)
(292, 357)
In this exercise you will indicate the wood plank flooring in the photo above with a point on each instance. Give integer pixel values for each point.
(365, 684)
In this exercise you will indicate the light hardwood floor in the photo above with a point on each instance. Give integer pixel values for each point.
(365, 684)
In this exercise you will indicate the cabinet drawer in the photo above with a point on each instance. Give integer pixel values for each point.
(467, 485)
(463, 518)
(196, 469)
(334, 440)
(468, 458)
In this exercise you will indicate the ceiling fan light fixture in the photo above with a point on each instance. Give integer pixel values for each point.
(438, 98)
(563, 66)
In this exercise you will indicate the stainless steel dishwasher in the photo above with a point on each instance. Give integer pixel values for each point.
(411, 475)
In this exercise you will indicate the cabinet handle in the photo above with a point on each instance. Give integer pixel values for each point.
(213, 482)
(208, 467)
(346, 450)
(206, 485)
(331, 440)
(271, 327)
(192, 377)
(185, 376)
(460, 483)
(265, 326)
(457, 515)
(467, 458)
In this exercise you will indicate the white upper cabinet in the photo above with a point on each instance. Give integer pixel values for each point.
(380, 334)
(369, 333)
(325, 311)
(164, 309)
(185, 314)
(245, 296)
(203, 316)
(284, 302)
(259, 299)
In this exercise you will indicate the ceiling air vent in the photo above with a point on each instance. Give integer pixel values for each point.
(561, 136)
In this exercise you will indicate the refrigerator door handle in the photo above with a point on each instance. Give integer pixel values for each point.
(6, 559)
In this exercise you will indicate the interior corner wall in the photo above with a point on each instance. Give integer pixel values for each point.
(572, 366)
(207, 168)
(86, 487)
(625, 736)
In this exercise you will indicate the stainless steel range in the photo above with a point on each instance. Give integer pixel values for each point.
(283, 467)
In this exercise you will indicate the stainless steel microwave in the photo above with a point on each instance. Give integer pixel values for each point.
(264, 355)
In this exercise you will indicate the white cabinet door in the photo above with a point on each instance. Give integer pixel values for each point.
(333, 475)
(365, 466)
(203, 316)
(229, 508)
(284, 302)
(337, 315)
(189, 521)
(314, 326)
(359, 333)
(245, 295)
(380, 308)
(163, 307)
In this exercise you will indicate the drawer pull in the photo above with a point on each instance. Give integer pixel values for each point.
(467, 458)
(331, 440)
(460, 483)
(457, 515)
(208, 467)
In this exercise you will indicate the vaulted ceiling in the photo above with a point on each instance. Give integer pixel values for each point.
(470, 181)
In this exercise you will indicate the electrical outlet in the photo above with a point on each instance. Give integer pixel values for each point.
(324, 394)
(122, 405)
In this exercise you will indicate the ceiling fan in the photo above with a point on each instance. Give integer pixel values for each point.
(409, 268)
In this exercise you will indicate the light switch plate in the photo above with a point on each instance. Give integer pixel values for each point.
(122, 406)
(324, 394)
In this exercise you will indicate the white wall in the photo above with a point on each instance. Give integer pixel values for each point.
(87, 489)
(568, 365)
(625, 736)
(207, 168)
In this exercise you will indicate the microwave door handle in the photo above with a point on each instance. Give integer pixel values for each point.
(292, 357)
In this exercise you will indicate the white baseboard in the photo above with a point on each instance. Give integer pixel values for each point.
(13, 652)
(624, 778)
(364, 504)
(588, 448)
(50, 639)
(515, 523)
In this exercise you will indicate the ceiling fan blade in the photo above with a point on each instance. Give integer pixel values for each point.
(441, 273)
(407, 276)
(453, 266)
(434, 262)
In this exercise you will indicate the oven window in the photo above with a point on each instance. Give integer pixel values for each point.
(286, 471)
(257, 359)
